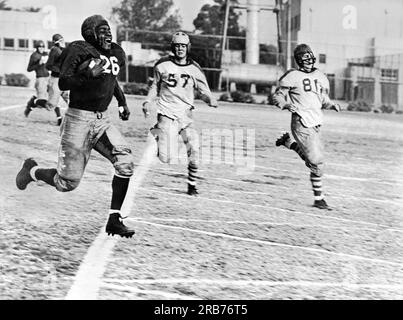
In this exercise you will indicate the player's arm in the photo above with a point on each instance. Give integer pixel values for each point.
(76, 68)
(203, 88)
(51, 59)
(33, 63)
(124, 111)
(153, 92)
(281, 96)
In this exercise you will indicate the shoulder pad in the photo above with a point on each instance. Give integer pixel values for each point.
(195, 64)
(85, 47)
(163, 59)
(287, 73)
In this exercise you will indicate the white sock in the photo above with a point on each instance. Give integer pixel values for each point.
(32, 173)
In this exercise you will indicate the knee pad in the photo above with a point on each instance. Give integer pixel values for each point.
(316, 169)
(64, 185)
(123, 164)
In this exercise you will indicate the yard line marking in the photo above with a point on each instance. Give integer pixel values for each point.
(164, 294)
(276, 244)
(275, 208)
(11, 107)
(162, 171)
(337, 177)
(88, 277)
(263, 283)
(216, 191)
(261, 223)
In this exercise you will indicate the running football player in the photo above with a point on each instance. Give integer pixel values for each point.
(89, 69)
(53, 65)
(304, 93)
(37, 63)
(175, 80)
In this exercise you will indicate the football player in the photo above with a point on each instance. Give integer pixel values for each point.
(89, 69)
(37, 63)
(304, 93)
(53, 65)
(175, 80)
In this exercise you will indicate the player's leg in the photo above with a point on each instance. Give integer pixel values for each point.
(309, 141)
(73, 155)
(54, 96)
(191, 141)
(112, 145)
(287, 141)
(41, 86)
(164, 132)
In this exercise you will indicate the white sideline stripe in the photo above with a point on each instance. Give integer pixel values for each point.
(88, 278)
(276, 244)
(11, 107)
(164, 294)
(262, 283)
(276, 208)
(262, 223)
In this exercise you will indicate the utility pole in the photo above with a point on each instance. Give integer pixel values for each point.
(224, 40)
(289, 34)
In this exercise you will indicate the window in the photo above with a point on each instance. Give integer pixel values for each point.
(22, 43)
(390, 74)
(322, 58)
(8, 43)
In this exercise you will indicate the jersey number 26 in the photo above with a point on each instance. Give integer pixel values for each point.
(111, 65)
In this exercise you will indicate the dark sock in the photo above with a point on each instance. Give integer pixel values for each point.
(57, 111)
(119, 189)
(41, 103)
(46, 175)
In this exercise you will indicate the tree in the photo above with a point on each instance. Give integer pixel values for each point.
(210, 20)
(268, 54)
(141, 16)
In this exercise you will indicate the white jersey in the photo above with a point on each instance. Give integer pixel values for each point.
(174, 86)
(308, 92)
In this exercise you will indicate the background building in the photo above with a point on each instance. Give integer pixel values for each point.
(20, 30)
(357, 43)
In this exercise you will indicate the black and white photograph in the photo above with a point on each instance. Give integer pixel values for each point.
(207, 150)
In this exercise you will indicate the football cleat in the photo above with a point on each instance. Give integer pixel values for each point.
(116, 226)
(321, 204)
(283, 139)
(24, 175)
(30, 106)
(192, 190)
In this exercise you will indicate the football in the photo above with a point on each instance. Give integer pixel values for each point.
(90, 63)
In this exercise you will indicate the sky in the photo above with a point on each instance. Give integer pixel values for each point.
(188, 9)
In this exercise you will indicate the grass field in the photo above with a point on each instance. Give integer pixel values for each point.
(246, 236)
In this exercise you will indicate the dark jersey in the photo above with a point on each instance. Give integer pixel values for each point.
(35, 65)
(86, 92)
(53, 63)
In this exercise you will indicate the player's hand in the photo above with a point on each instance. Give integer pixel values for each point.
(290, 107)
(124, 113)
(146, 109)
(96, 67)
(336, 107)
